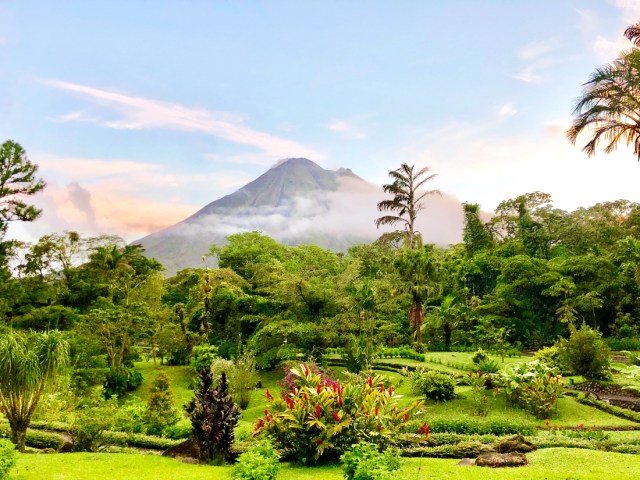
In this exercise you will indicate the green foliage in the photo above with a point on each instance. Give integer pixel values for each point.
(319, 418)
(363, 461)
(161, 412)
(213, 417)
(120, 381)
(534, 386)
(478, 383)
(359, 353)
(551, 357)
(7, 457)
(434, 385)
(470, 425)
(586, 354)
(479, 356)
(488, 366)
(92, 419)
(259, 463)
(203, 356)
(242, 376)
(130, 417)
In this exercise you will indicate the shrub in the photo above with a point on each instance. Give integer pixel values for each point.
(488, 366)
(317, 419)
(550, 356)
(243, 378)
(259, 463)
(179, 430)
(478, 382)
(291, 379)
(432, 384)
(130, 417)
(478, 426)
(7, 457)
(534, 386)
(480, 356)
(120, 381)
(202, 356)
(213, 417)
(161, 411)
(586, 354)
(91, 422)
(364, 462)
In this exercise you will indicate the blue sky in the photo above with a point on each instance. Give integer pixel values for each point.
(141, 112)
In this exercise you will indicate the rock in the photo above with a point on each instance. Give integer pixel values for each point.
(517, 443)
(498, 460)
(466, 462)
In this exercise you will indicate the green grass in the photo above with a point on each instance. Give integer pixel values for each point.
(552, 463)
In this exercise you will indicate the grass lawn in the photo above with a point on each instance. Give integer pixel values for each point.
(552, 463)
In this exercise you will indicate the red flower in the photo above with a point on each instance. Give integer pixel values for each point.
(423, 428)
(295, 391)
(427, 430)
(318, 388)
(379, 428)
(306, 397)
(269, 396)
(391, 391)
(405, 417)
(318, 411)
(580, 425)
(340, 401)
(306, 371)
(259, 424)
(318, 442)
(370, 381)
(336, 417)
(497, 390)
(377, 410)
(546, 422)
(381, 387)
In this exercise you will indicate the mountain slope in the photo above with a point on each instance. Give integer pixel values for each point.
(296, 202)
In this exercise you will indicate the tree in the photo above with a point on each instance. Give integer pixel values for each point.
(17, 179)
(27, 364)
(406, 201)
(609, 107)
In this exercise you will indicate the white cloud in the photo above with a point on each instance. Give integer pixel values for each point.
(607, 50)
(507, 110)
(137, 113)
(535, 50)
(346, 129)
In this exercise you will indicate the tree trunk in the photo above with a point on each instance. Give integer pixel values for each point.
(416, 318)
(19, 433)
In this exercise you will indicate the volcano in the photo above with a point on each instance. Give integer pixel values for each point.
(296, 202)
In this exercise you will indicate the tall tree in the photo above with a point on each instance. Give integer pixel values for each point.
(26, 365)
(406, 201)
(609, 107)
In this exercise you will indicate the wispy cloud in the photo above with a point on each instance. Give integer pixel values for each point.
(507, 110)
(137, 113)
(537, 57)
(346, 129)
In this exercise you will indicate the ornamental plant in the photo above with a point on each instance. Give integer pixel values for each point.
(434, 385)
(534, 386)
(364, 462)
(259, 463)
(477, 381)
(318, 419)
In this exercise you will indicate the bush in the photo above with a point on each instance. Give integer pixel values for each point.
(243, 379)
(130, 417)
(316, 419)
(479, 426)
(259, 463)
(551, 356)
(202, 356)
(586, 354)
(92, 419)
(179, 430)
(7, 457)
(478, 383)
(364, 462)
(534, 386)
(432, 384)
(213, 417)
(120, 381)
(480, 356)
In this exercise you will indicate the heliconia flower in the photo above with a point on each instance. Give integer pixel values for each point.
(546, 422)
(306, 397)
(259, 424)
(391, 391)
(306, 371)
(269, 396)
(405, 417)
(295, 391)
(370, 381)
(336, 417)
(379, 428)
(318, 388)
(377, 410)
(266, 412)
(381, 385)
(318, 411)
(422, 428)
(340, 401)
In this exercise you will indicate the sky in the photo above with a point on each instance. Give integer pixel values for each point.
(139, 113)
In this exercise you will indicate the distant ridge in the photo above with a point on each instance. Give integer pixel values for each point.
(296, 202)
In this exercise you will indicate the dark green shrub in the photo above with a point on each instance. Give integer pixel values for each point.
(434, 385)
(120, 381)
(7, 457)
(259, 463)
(586, 354)
(202, 356)
(92, 419)
(364, 462)
(213, 417)
(479, 426)
(551, 356)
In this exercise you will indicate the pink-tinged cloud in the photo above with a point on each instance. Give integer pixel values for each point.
(138, 113)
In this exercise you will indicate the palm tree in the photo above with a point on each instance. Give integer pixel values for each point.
(26, 365)
(609, 108)
(418, 269)
(406, 201)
